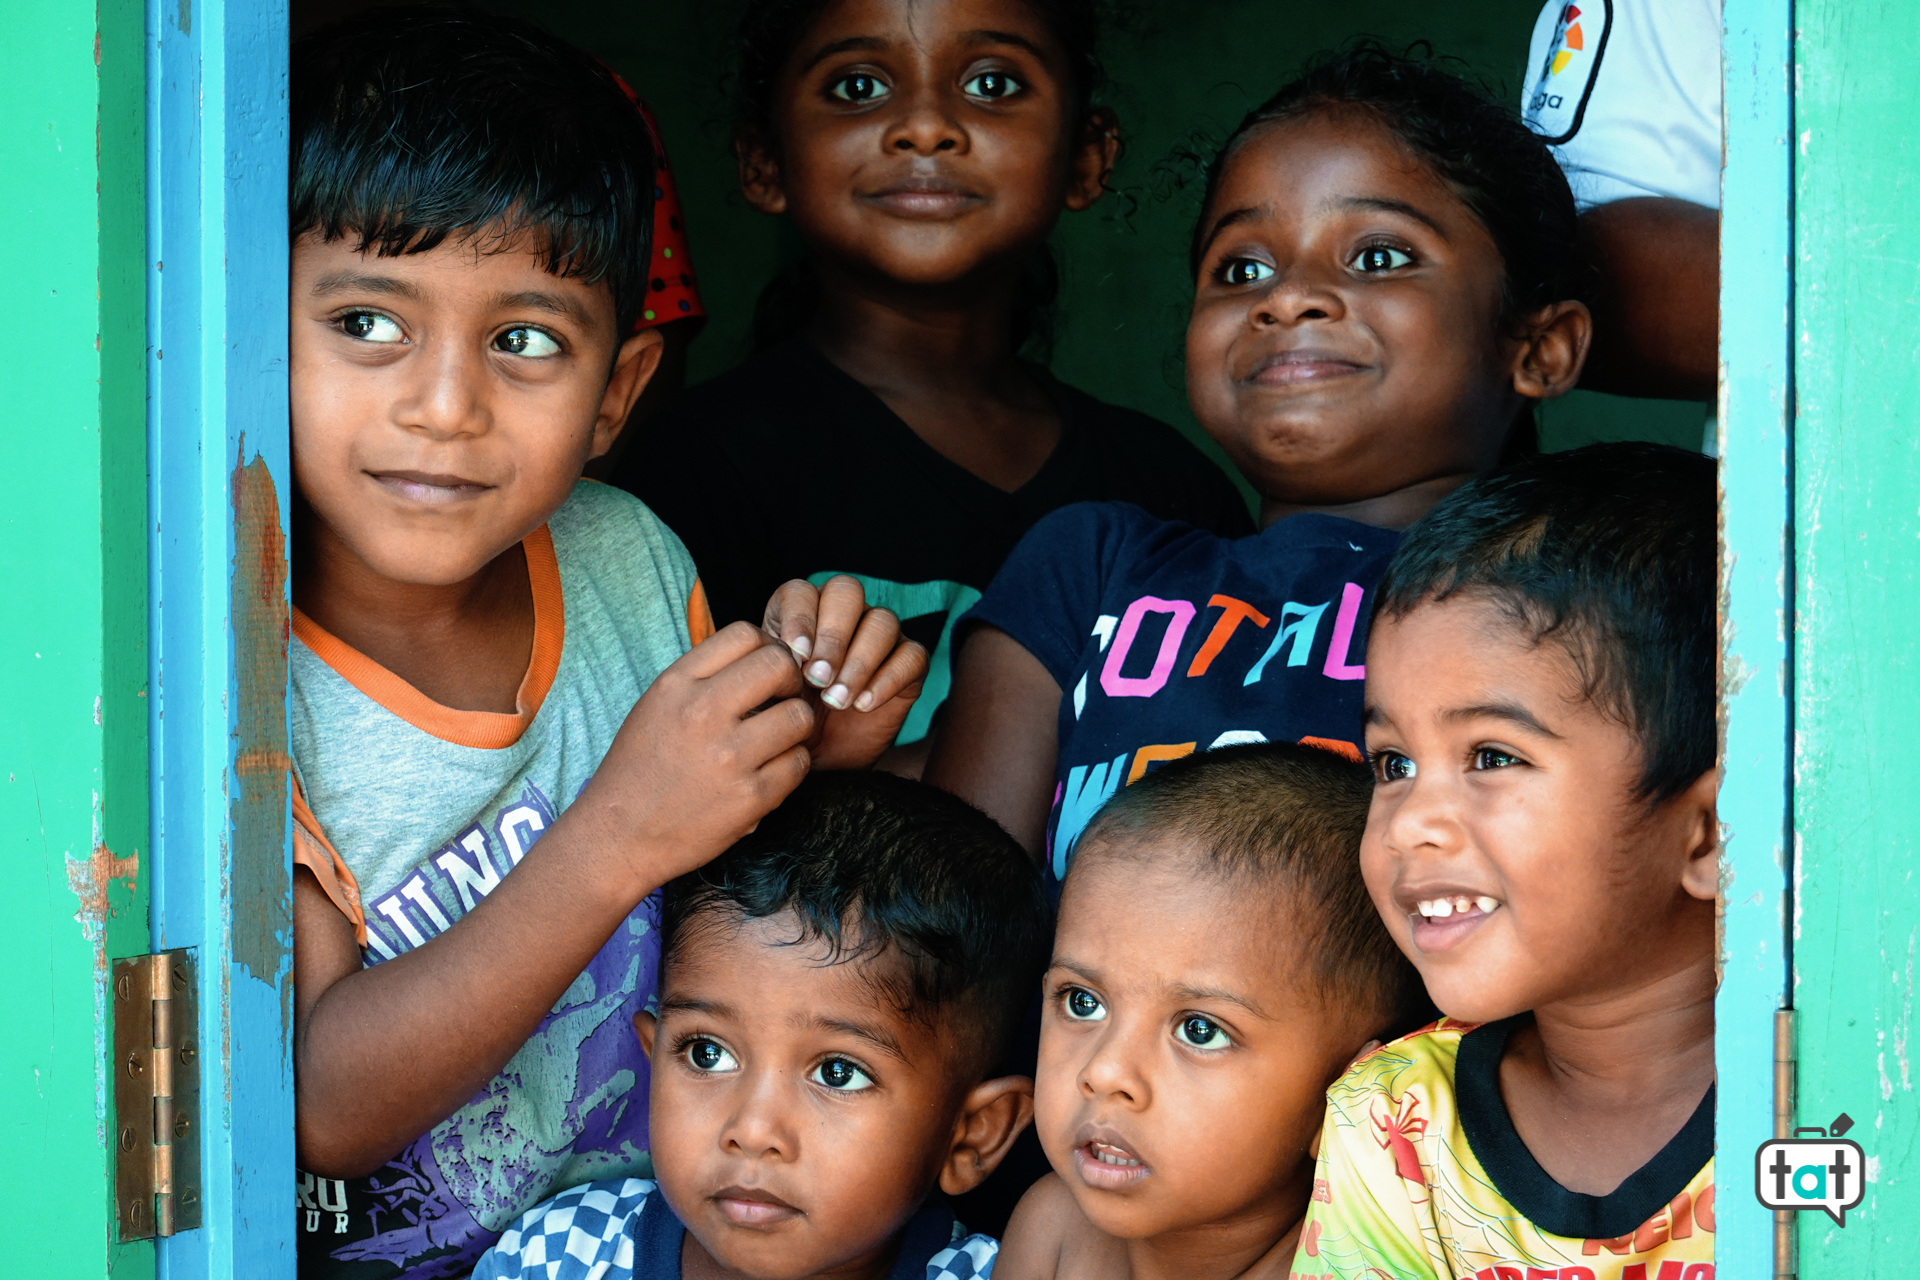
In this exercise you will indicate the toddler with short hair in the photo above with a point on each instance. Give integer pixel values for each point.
(838, 995)
(1217, 964)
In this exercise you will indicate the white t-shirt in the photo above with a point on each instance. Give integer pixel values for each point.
(1628, 93)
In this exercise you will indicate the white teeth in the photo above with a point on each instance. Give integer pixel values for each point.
(1106, 1155)
(1457, 905)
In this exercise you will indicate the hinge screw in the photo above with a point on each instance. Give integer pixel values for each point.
(179, 1124)
(135, 1065)
(189, 1051)
(123, 987)
(126, 1138)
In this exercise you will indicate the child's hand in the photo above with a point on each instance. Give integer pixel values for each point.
(868, 675)
(713, 745)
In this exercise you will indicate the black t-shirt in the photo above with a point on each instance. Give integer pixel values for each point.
(786, 467)
(1166, 640)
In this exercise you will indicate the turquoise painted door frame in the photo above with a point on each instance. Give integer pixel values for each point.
(1856, 570)
(217, 492)
(1757, 504)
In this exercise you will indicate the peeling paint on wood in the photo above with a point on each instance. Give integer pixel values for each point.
(262, 917)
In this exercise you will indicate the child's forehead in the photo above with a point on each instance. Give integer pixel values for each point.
(1149, 912)
(793, 972)
(495, 265)
(1327, 155)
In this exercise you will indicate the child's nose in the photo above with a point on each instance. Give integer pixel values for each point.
(926, 128)
(1113, 1072)
(1298, 295)
(446, 400)
(758, 1126)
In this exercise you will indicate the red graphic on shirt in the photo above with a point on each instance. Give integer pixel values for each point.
(1399, 1123)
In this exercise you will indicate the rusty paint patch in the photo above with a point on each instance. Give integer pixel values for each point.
(257, 873)
(92, 881)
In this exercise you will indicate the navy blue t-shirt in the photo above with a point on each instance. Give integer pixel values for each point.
(1166, 639)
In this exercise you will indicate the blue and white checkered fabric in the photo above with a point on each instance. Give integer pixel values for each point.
(580, 1234)
(588, 1234)
(969, 1257)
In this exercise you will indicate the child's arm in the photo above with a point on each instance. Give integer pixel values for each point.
(999, 735)
(384, 1054)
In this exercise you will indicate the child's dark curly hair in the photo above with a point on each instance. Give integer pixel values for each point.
(772, 29)
(1495, 165)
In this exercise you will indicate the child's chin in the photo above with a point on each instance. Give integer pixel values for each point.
(766, 1257)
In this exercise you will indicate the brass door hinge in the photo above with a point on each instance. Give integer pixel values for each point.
(156, 1094)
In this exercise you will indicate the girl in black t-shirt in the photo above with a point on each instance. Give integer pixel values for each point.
(922, 151)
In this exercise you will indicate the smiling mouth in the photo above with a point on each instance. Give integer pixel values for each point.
(1444, 920)
(751, 1207)
(428, 488)
(1107, 1166)
(924, 197)
(1294, 368)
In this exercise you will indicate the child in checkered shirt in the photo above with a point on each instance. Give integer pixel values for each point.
(837, 994)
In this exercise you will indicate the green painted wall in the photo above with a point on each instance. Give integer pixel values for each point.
(1857, 454)
(1181, 75)
(73, 719)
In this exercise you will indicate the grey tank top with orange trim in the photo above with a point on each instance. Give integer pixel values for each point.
(427, 826)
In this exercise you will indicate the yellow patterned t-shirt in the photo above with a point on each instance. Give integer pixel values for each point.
(1422, 1177)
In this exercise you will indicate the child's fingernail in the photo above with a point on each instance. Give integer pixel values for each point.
(836, 697)
(819, 673)
(865, 701)
(802, 646)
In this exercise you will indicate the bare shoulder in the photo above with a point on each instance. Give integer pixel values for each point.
(1036, 1232)
(1049, 1238)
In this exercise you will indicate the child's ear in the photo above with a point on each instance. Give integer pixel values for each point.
(1701, 805)
(1554, 350)
(645, 1025)
(759, 172)
(1094, 154)
(990, 1119)
(633, 368)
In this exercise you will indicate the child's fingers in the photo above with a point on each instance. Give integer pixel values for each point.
(843, 602)
(720, 650)
(791, 615)
(878, 633)
(773, 733)
(761, 674)
(899, 676)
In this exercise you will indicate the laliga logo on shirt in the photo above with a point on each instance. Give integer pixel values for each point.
(1827, 1173)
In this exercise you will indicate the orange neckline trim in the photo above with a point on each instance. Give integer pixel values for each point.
(490, 730)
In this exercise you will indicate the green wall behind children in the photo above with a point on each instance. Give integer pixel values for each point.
(1181, 74)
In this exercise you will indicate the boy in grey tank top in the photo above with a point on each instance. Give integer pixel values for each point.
(510, 724)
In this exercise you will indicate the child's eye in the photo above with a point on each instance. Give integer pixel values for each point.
(1201, 1033)
(710, 1055)
(371, 326)
(1391, 766)
(1494, 758)
(1083, 1006)
(858, 88)
(992, 85)
(524, 341)
(842, 1076)
(1380, 257)
(1245, 271)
